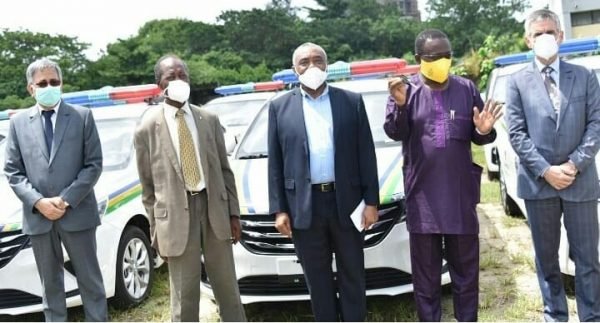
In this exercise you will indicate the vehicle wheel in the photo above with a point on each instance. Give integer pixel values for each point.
(510, 207)
(135, 269)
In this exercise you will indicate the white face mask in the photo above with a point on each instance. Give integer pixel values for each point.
(178, 90)
(313, 77)
(545, 46)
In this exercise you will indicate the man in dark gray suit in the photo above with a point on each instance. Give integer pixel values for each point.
(321, 165)
(53, 160)
(553, 115)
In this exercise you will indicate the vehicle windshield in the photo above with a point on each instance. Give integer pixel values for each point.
(235, 113)
(254, 144)
(116, 138)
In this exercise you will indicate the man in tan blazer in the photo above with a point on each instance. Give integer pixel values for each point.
(190, 196)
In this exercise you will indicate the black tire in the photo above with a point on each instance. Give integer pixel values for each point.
(133, 283)
(510, 207)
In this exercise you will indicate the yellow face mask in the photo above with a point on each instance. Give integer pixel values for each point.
(437, 70)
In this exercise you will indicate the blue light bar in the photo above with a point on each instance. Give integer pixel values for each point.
(4, 115)
(568, 47)
(288, 76)
(250, 87)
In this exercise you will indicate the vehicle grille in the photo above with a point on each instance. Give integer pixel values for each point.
(376, 278)
(11, 243)
(260, 236)
(10, 298)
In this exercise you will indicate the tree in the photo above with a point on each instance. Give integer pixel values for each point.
(266, 36)
(20, 48)
(468, 22)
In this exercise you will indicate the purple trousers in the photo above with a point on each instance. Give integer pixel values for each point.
(461, 251)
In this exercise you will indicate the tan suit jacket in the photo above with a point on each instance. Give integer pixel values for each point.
(164, 195)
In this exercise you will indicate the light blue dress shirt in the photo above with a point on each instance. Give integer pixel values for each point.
(319, 130)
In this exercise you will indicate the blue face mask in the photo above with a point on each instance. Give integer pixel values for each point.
(48, 96)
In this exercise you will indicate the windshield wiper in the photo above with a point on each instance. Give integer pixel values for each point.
(255, 156)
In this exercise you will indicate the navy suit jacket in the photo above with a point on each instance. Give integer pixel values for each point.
(540, 143)
(289, 170)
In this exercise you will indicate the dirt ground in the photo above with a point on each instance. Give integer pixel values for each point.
(509, 288)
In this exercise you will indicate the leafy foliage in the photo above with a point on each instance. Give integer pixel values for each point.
(250, 45)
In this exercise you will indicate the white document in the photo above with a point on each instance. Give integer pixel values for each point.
(357, 216)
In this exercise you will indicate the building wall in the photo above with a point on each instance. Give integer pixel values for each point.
(580, 18)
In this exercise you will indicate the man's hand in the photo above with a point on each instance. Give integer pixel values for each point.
(370, 216)
(569, 168)
(282, 224)
(236, 229)
(397, 87)
(58, 202)
(557, 178)
(48, 209)
(484, 120)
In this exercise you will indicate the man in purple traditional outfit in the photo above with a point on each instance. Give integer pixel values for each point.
(437, 116)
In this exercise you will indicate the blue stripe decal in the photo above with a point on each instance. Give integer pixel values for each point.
(387, 172)
(123, 189)
(247, 188)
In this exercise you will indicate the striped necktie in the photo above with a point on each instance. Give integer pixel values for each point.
(551, 87)
(189, 163)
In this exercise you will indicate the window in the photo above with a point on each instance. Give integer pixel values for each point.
(582, 18)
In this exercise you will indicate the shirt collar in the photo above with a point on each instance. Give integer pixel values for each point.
(322, 96)
(171, 110)
(555, 65)
(55, 108)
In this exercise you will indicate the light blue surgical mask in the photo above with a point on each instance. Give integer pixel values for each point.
(48, 96)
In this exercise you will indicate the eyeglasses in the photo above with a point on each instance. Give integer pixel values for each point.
(549, 32)
(52, 82)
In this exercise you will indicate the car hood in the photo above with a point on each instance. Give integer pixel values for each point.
(252, 180)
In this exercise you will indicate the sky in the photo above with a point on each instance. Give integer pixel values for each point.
(100, 22)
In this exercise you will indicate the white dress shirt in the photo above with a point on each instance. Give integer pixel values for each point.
(170, 116)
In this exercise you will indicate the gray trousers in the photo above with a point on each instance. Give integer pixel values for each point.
(81, 247)
(581, 224)
(185, 270)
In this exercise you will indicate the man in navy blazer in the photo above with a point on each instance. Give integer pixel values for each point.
(321, 166)
(553, 115)
(53, 161)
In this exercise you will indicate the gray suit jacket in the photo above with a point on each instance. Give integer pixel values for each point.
(70, 170)
(164, 194)
(540, 143)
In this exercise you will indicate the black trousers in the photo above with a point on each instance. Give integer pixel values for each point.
(316, 248)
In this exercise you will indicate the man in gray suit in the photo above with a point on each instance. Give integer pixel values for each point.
(190, 196)
(53, 160)
(553, 115)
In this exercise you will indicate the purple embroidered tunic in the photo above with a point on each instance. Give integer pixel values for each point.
(440, 180)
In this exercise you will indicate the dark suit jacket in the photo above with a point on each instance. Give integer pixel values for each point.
(70, 170)
(539, 143)
(289, 173)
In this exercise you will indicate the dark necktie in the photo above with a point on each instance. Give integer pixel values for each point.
(551, 87)
(48, 131)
